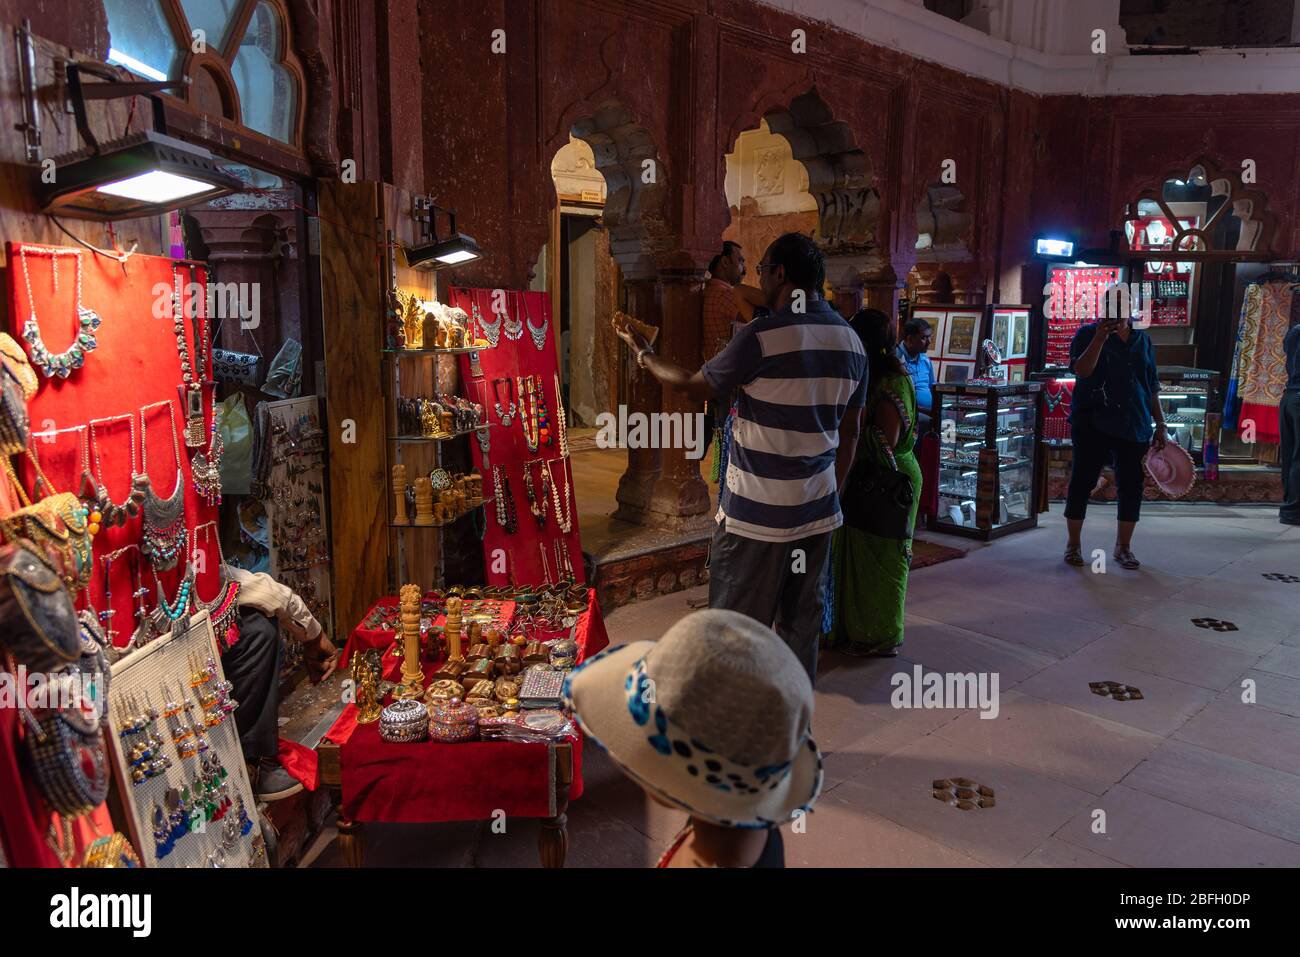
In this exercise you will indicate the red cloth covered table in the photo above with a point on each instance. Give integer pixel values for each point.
(431, 782)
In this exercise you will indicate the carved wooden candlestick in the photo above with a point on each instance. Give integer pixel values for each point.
(453, 628)
(399, 493)
(423, 501)
(412, 676)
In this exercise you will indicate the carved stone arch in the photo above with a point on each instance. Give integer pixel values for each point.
(839, 173)
(636, 179)
(1248, 204)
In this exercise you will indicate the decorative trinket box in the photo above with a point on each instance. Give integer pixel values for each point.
(541, 688)
(506, 689)
(564, 653)
(480, 670)
(453, 721)
(452, 669)
(478, 653)
(444, 689)
(535, 653)
(404, 721)
(508, 660)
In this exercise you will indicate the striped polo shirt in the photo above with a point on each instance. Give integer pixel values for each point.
(794, 376)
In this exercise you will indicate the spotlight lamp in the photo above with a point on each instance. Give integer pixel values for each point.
(431, 252)
(142, 174)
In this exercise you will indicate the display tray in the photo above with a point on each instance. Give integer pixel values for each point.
(138, 681)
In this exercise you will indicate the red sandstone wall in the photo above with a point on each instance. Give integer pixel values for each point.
(696, 74)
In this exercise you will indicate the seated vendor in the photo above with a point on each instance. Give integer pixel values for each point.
(252, 665)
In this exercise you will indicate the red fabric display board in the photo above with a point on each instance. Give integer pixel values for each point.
(1058, 394)
(510, 360)
(431, 782)
(134, 364)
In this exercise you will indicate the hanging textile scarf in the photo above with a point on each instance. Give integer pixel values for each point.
(1262, 372)
(1247, 330)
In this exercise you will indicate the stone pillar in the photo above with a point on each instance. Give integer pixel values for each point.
(644, 465)
(663, 487)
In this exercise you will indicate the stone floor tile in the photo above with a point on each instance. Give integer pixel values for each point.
(1247, 731)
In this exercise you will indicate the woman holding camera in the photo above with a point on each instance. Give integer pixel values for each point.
(1116, 398)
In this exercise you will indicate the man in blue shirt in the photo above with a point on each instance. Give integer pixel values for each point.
(912, 353)
(1289, 413)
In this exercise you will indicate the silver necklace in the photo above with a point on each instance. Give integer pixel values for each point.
(514, 329)
(111, 512)
(539, 335)
(74, 357)
(491, 330)
(164, 534)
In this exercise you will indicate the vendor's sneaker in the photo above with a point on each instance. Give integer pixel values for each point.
(274, 783)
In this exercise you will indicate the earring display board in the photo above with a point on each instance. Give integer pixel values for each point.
(527, 447)
(134, 368)
(203, 802)
(1072, 301)
(295, 504)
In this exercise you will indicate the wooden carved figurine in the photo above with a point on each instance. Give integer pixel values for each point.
(452, 630)
(423, 501)
(399, 493)
(412, 676)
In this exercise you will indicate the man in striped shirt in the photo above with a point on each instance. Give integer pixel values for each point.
(801, 378)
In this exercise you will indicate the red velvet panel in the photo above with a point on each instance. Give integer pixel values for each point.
(135, 364)
(511, 359)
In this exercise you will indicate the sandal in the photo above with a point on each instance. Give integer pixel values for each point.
(1126, 558)
(1074, 555)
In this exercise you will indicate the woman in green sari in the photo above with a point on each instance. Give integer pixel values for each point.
(869, 573)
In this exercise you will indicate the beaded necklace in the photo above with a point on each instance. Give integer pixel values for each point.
(193, 361)
(74, 357)
(505, 503)
(528, 412)
(537, 505)
(224, 607)
(561, 425)
(563, 517)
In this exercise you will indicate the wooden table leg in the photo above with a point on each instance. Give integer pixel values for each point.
(351, 843)
(553, 839)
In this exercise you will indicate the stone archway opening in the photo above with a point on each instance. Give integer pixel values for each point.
(801, 170)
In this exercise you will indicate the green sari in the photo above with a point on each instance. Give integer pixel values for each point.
(870, 573)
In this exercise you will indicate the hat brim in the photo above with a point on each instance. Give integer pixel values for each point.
(1184, 470)
(596, 692)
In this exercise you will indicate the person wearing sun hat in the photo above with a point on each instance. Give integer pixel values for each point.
(715, 719)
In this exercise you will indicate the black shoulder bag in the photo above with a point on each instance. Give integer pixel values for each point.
(878, 500)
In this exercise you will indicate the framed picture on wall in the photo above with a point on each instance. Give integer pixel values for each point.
(1019, 336)
(1001, 331)
(956, 372)
(938, 320)
(962, 337)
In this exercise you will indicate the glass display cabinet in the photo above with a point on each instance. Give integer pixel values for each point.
(988, 444)
(1185, 396)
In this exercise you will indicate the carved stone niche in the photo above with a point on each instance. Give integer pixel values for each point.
(636, 183)
(960, 284)
(942, 227)
(1249, 206)
(839, 174)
